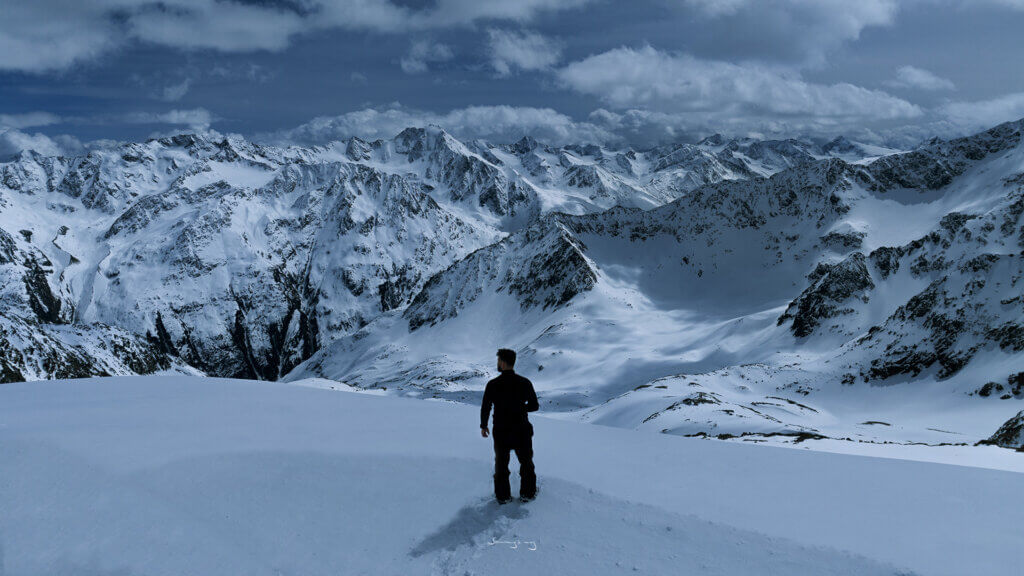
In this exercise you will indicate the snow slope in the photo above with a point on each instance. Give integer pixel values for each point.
(177, 475)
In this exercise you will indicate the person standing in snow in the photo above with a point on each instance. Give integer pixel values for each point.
(512, 396)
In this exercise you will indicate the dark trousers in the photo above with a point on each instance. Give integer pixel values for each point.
(522, 443)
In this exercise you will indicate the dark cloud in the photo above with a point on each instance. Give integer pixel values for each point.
(53, 34)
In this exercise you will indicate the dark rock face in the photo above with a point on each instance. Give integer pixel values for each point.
(398, 287)
(839, 145)
(30, 350)
(843, 241)
(525, 145)
(886, 260)
(542, 266)
(1010, 434)
(831, 286)
(7, 248)
(358, 150)
(698, 398)
(913, 358)
(973, 300)
(40, 297)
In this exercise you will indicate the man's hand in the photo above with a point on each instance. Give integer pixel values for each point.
(483, 432)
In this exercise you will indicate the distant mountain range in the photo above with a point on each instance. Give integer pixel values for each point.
(761, 289)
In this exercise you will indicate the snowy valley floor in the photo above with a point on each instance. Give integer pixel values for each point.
(177, 475)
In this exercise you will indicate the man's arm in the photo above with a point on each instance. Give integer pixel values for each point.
(485, 407)
(531, 398)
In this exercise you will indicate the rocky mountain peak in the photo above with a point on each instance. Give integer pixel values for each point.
(839, 145)
(713, 140)
(524, 145)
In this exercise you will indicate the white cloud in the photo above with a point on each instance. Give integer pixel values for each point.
(11, 125)
(721, 91)
(812, 27)
(28, 120)
(175, 92)
(14, 141)
(920, 79)
(248, 71)
(717, 8)
(198, 119)
(983, 114)
(424, 52)
(523, 50)
(461, 12)
(224, 26)
(495, 123)
(1016, 4)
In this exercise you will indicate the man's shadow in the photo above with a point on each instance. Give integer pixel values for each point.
(470, 521)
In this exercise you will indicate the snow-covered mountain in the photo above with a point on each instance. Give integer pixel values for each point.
(781, 307)
(243, 259)
(240, 259)
(38, 339)
(773, 289)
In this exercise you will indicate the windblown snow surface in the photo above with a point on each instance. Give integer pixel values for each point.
(172, 475)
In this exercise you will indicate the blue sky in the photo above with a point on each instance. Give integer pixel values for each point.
(637, 73)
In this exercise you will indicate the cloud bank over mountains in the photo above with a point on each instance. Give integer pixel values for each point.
(308, 71)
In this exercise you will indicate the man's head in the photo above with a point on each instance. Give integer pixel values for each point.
(506, 359)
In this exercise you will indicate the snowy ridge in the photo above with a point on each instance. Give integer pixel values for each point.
(543, 265)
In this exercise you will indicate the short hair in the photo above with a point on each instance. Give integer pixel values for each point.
(507, 356)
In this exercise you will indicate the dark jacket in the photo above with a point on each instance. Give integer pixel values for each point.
(512, 397)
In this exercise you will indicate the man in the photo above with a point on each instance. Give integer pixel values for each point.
(512, 397)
